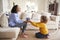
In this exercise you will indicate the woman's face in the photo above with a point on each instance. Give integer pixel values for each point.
(18, 9)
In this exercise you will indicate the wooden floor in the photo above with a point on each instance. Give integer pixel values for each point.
(54, 35)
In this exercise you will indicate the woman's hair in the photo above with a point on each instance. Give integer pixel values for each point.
(44, 19)
(14, 9)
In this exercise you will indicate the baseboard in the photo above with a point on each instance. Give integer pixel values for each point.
(38, 29)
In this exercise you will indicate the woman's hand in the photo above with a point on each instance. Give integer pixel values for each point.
(27, 21)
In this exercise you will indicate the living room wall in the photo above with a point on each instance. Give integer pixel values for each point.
(1, 8)
(8, 4)
(41, 4)
(59, 7)
(4, 5)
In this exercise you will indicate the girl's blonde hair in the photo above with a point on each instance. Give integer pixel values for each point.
(44, 19)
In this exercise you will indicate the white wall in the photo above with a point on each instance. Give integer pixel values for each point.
(22, 3)
(1, 6)
(40, 3)
(59, 7)
(5, 5)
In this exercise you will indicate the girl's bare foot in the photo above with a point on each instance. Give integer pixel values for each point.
(46, 37)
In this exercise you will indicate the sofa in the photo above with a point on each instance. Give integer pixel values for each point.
(7, 33)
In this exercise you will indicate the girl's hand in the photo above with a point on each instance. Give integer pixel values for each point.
(29, 21)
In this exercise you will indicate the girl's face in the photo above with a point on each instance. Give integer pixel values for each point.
(18, 9)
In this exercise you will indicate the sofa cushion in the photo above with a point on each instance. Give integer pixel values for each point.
(4, 21)
(0, 17)
(53, 18)
(6, 39)
(7, 34)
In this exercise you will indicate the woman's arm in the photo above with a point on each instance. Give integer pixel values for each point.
(17, 19)
(21, 16)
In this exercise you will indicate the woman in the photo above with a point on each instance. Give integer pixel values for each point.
(15, 21)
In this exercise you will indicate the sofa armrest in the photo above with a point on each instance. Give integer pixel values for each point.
(9, 32)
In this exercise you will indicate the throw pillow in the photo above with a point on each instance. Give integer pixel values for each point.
(4, 21)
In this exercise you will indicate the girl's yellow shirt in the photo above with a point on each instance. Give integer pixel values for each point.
(42, 27)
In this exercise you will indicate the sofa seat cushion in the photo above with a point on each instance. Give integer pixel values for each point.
(9, 32)
(52, 25)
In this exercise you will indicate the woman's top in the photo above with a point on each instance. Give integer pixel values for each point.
(14, 19)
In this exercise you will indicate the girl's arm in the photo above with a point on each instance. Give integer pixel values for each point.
(34, 23)
(38, 24)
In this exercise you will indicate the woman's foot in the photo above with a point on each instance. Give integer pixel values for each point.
(24, 36)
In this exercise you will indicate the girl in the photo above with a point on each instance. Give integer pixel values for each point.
(15, 21)
(43, 31)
